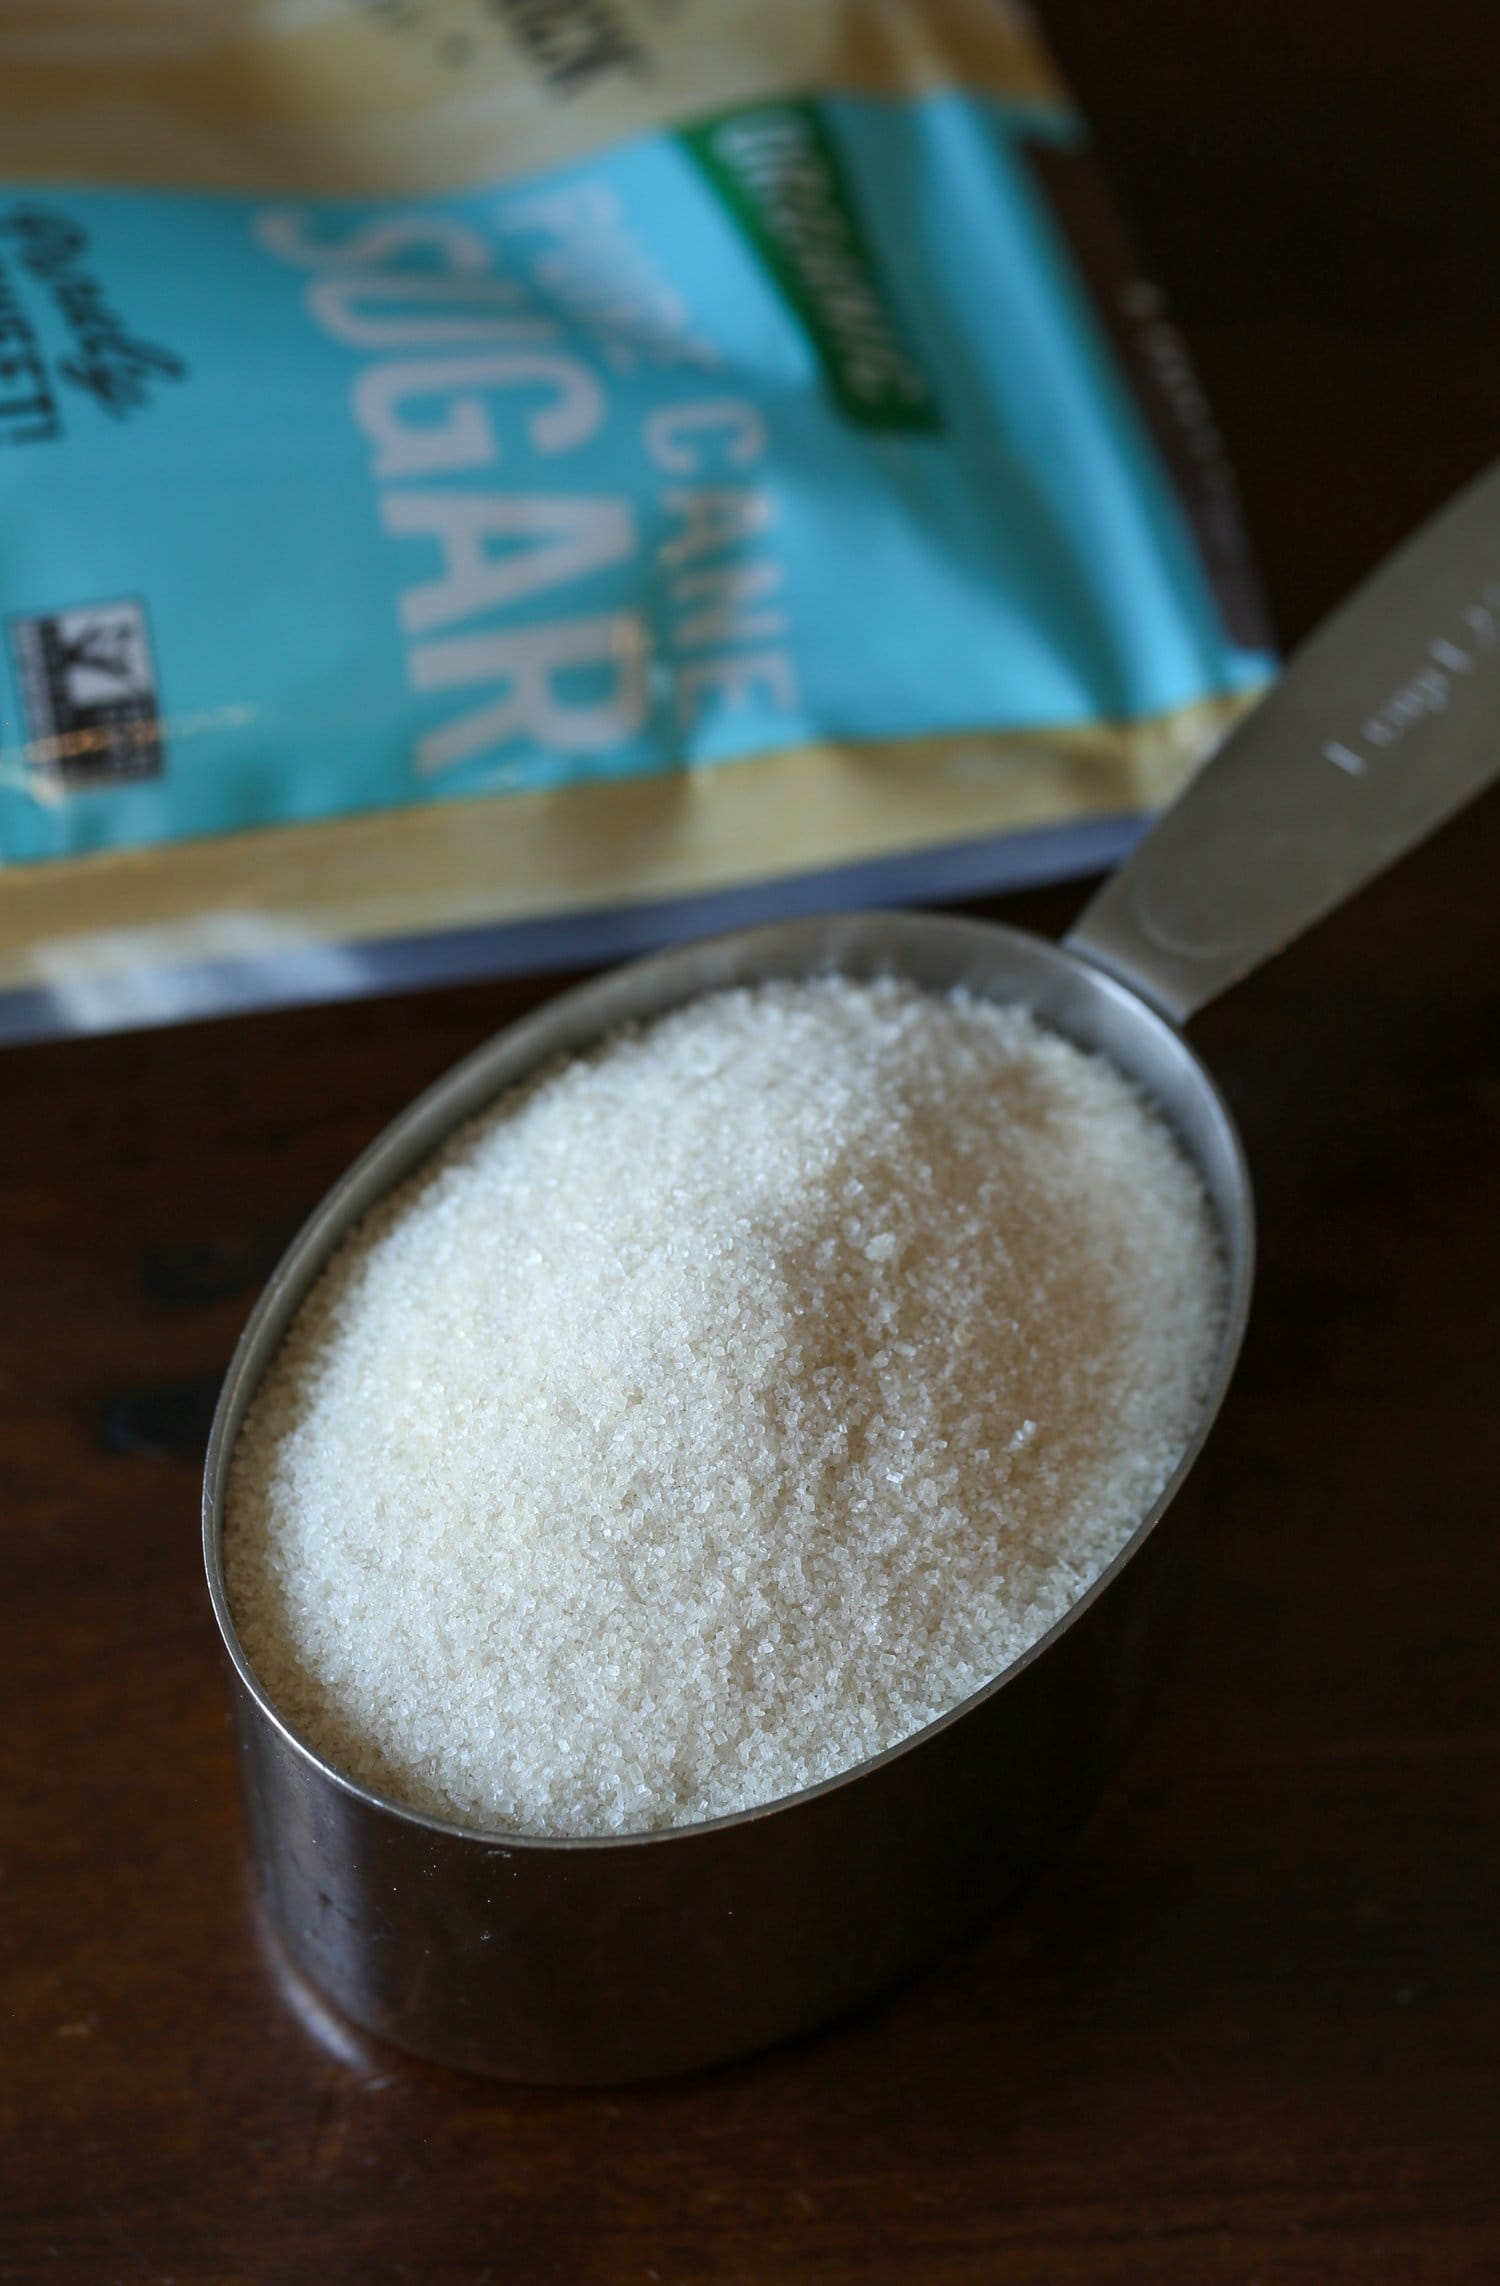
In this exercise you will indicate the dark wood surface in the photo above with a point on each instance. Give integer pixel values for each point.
(1248, 2030)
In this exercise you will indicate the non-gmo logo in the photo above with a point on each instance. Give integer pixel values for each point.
(88, 686)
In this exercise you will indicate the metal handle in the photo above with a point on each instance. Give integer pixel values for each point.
(1386, 721)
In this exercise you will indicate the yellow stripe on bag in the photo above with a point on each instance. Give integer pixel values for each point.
(301, 95)
(517, 857)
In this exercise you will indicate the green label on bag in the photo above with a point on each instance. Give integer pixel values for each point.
(778, 173)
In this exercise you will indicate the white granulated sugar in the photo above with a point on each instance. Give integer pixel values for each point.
(722, 1408)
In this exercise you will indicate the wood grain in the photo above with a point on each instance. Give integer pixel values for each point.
(1248, 2031)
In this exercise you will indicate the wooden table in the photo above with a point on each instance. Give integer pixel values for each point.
(1248, 2030)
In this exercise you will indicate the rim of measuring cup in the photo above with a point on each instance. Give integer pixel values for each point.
(574, 1021)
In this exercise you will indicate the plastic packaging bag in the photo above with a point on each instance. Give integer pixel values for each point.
(495, 483)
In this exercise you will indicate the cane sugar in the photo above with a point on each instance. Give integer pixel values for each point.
(721, 1408)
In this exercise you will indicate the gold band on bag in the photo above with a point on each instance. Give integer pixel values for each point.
(517, 857)
(217, 96)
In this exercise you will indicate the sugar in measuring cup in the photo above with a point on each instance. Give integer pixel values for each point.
(599, 1959)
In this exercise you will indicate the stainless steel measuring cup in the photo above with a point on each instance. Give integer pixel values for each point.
(627, 1957)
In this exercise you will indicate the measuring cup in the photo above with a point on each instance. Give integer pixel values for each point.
(632, 1956)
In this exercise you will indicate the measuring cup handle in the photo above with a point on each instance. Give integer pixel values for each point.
(1386, 721)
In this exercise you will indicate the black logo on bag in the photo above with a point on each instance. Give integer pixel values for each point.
(88, 686)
